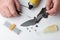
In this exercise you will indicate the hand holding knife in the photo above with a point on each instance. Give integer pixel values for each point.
(37, 19)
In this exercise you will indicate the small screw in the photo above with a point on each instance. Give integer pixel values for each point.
(36, 25)
(27, 28)
(31, 27)
(35, 30)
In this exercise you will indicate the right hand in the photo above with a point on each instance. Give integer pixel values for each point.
(8, 8)
(53, 7)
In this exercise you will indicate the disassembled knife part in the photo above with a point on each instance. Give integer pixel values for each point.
(36, 25)
(51, 29)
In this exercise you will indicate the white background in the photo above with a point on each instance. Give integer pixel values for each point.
(6, 34)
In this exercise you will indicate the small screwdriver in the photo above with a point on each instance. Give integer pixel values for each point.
(33, 3)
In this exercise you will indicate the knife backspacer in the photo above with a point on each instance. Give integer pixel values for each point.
(12, 26)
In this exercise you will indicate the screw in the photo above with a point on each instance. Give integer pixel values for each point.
(27, 28)
(31, 27)
(36, 25)
(35, 30)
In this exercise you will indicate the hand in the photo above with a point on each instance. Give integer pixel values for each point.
(8, 8)
(52, 6)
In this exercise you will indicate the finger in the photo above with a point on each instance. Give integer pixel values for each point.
(12, 9)
(51, 6)
(18, 5)
(5, 12)
(55, 9)
(56, 5)
(48, 3)
(51, 12)
(2, 12)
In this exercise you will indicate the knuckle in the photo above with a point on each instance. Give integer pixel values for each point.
(13, 13)
(9, 3)
(55, 11)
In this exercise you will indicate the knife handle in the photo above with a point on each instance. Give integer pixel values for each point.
(41, 15)
(45, 15)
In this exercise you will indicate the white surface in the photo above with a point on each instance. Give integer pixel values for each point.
(6, 34)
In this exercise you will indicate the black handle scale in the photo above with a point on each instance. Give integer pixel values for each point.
(43, 12)
(45, 15)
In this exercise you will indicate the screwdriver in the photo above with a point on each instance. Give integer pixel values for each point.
(33, 3)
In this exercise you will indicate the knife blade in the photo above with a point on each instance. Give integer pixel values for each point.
(28, 23)
(37, 19)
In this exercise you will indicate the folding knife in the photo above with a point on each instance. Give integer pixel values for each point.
(37, 19)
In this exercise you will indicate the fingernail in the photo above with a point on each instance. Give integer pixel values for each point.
(19, 10)
(47, 12)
